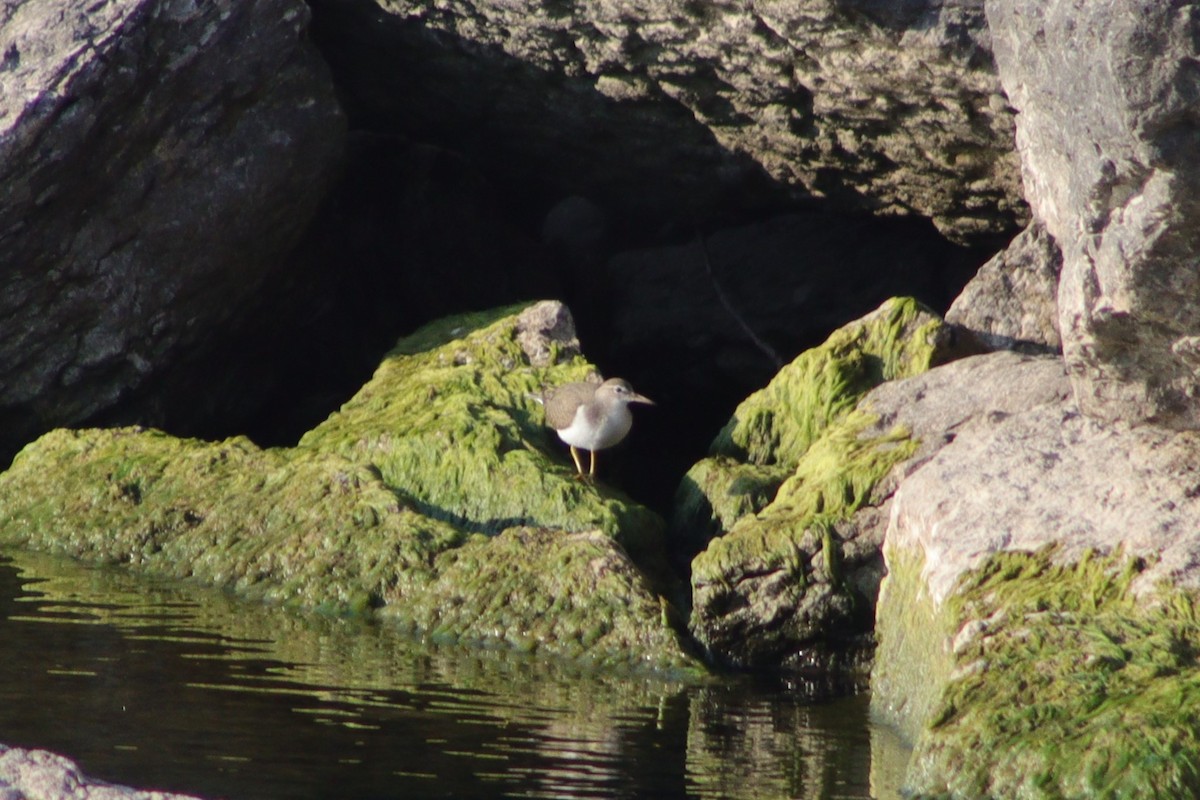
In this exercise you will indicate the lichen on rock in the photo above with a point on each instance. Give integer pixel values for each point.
(431, 499)
(783, 479)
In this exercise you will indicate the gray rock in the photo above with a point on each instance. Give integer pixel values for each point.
(546, 333)
(933, 407)
(156, 159)
(1107, 130)
(1050, 475)
(1012, 302)
(41, 775)
(1031, 546)
(673, 111)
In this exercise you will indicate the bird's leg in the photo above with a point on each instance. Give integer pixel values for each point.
(592, 471)
(578, 465)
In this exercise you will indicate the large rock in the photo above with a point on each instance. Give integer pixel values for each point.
(1108, 121)
(433, 499)
(157, 160)
(1036, 626)
(673, 112)
(450, 420)
(781, 574)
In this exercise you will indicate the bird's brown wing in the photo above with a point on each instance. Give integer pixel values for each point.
(563, 401)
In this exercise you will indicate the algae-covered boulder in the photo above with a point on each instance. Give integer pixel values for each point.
(781, 484)
(574, 594)
(1037, 626)
(288, 525)
(451, 421)
(442, 456)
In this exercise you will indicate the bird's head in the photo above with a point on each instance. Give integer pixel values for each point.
(620, 390)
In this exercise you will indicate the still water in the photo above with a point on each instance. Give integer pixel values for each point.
(161, 684)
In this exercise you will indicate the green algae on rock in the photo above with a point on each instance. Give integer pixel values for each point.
(1063, 682)
(576, 595)
(773, 428)
(1020, 662)
(366, 531)
(781, 580)
(293, 526)
(783, 480)
(450, 421)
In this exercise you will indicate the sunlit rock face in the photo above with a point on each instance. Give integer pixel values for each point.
(157, 159)
(1107, 133)
(1038, 610)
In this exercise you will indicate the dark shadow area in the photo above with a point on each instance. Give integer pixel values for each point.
(538, 135)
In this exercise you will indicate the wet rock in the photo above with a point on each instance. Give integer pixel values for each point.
(437, 473)
(37, 774)
(1012, 302)
(770, 508)
(576, 595)
(158, 161)
(1036, 623)
(683, 112)
(1106, 131)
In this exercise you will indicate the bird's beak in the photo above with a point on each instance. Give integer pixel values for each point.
(638, 398)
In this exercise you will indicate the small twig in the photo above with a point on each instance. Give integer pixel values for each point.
(741, 321)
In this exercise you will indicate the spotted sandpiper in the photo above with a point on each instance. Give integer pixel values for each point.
(591, 417)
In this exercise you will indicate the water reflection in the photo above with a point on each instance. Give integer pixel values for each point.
(166, 685)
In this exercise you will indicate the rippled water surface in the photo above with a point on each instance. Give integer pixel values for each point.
(164, 685)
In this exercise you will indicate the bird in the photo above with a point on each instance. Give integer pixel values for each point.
(589, 416)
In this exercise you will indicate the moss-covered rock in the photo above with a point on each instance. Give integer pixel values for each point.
(1037, 629)
(777, 586)
(407, 501)
(575, 594)
(1063, 682)
(769, 433)
(450, 421)
(294, 526)
(782, 482)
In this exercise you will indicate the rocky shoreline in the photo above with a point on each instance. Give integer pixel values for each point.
(246, 247)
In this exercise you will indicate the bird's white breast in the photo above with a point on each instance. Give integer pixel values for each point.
(610, 430)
